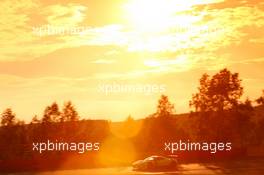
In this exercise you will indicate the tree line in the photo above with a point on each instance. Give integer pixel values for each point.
(218, 114)
(51, 114)
(218, 93)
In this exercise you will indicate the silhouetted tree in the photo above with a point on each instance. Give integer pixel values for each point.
(46, 116)
(247, 105)
(8, 118)
(69, 113)
(164, 108)
(157, 128)
(240, 122)
(20, 122)
(35, 120)
(51, 113)
(218, 108)
(129, 119)
(260, 100)
(221, 92)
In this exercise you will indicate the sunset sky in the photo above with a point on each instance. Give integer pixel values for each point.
(161, 42)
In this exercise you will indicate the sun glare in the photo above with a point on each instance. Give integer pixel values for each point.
(151, 16)
(158, 22)
(180, 61)
(147, 14)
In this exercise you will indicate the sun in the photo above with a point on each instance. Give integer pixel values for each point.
(153, 15)
(147, 14)
(156, 23)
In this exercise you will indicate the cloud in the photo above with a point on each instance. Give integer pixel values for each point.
(257, 40)
(64, 15)
(103, 61)
(13, 25)
(252, 60)
(206, 31)
(17, 38)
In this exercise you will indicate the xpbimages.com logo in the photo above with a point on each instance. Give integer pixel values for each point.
(80, 147)
(213, 147)
(146, 89)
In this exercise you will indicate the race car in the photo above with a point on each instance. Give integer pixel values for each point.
(155, 162)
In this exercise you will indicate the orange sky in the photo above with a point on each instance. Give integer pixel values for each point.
(162, 42)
